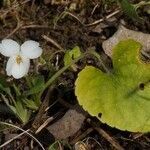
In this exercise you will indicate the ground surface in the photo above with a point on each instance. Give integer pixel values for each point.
(59, 26)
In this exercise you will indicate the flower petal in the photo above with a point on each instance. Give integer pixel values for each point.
(20, 70)
(10, 63)
(31, 49)
(9, 47)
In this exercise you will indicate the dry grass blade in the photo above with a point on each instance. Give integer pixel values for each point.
(48, 39)
(8, 124)
(5, 12)
(103, 133)
(81, 136)
(101, 20)
(16, 137)
(109, 138)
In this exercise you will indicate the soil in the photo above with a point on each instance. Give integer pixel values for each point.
(67, 24)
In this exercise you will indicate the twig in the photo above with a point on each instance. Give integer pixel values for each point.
(137, 135)
(101, 20)
(94, 9)
(44, 124)
(35, 26)
(37, 121)
(145, 54)
(16, 137)
(81, 136)
(52, 41)
(110, 139)
(95, 22)
(14, 126)
(68, 13)
(91, 138)
(14, 6)
(14, 31)
(33, 3)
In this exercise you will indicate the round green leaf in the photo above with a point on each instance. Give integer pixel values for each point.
(122, 98)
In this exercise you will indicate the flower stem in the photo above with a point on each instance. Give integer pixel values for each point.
(28, 81)
(18, 93)
(100, 60)
(62, 70)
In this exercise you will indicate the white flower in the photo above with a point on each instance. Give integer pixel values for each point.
(19, 62)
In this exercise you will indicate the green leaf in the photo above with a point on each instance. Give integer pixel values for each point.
(129, 10)
(31, 104)
(122, 98)
(71, 55)
(4, 87)
(55, 145)
(37, 85)
(22, 113)
(3, 128)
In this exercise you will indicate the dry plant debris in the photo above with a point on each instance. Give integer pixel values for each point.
(124, 33)
(68, 125)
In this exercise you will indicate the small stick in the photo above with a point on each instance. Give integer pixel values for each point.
(68, 13)
(94, 9)
(81, 136)
(14, 31)
(110, 139)
(37, 121)
(95, 22)
(44, 124)
(16, 137)
(35, 26)
(14, 6)
(14, 126)
(52, 41)
(101, 20)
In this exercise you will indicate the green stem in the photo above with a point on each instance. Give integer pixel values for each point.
(63, 69)
(100, 60)
(140, 4)
(36, 98)
(28, 81)
(58, 73)
(12, 98)
(18, 93)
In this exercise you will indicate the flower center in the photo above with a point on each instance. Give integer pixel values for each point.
(18, 59)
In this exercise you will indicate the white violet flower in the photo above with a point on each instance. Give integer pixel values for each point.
(19, 56)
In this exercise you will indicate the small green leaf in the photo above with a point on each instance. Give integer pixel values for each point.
(122, 98)
(31, 104)
(54, 146)
(37, 85)
(4, 87)
(129, 10)
(42, 61)
(71, 55)
(3, 128)
(22, 113)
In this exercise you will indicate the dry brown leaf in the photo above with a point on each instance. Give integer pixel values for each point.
(68, 125)
(124, 33)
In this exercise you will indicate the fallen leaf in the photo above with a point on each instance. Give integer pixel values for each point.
(68, 125)
(124, 33)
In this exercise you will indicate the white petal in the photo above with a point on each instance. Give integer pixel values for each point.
(10, 63)
(9, 47)
(20, 70)
(31, 49)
